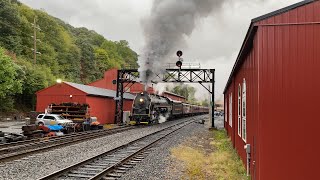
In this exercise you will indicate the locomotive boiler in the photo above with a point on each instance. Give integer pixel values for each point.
(150, 108)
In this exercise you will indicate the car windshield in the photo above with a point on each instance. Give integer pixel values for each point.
(60, 118)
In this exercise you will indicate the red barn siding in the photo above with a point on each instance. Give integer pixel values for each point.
(102, 108)
(58, 93)
(106, 82)
(289, 64)
(249, 72)
(127, 105)
(174, 97)
(110, 75)
(281, 71)
(230, 130)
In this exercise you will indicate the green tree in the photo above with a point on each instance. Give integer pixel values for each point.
(9, 84)
(73, 54)
(88, 68)
(103, 61)
(205, 102)
(186, 91)
(34, 79)
(9, 27)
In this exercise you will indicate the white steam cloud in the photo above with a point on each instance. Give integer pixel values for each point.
(166, 28)
(163, 118)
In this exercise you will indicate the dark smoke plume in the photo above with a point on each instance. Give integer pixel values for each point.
(165, 30)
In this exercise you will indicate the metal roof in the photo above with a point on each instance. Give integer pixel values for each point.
(172, 100)
(247, 43)
(94, 91)
(171, 93)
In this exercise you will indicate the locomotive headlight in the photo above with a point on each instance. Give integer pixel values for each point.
(141, 100)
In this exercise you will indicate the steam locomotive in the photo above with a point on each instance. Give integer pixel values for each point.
(151, 108)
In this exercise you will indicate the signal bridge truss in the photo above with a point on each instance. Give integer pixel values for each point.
(127, 77)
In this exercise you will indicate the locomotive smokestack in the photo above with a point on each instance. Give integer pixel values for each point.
(165, 30)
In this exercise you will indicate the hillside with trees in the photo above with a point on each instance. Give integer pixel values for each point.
(72, 54)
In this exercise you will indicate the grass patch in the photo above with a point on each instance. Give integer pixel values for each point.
(222, 163)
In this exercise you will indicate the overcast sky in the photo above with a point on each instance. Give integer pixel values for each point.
(215, 42)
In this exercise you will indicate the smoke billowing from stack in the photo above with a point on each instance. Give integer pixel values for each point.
(166, 28)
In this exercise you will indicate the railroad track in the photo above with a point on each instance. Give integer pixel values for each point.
(114, 163)
(18, 143)
(11, 151)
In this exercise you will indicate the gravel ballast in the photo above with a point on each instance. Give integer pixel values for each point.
(159, 164)
(39, 165)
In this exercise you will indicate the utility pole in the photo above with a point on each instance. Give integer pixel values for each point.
(35, 40)
(35, 27)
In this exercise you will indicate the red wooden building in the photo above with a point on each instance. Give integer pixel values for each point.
(110, 75)
(101, 102)
(174, 96)
(272, 95)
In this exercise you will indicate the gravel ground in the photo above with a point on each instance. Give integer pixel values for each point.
(12, 126)
(158, 164)
(39, 165)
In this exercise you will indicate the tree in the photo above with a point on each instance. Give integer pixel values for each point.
(104, 62)
(72, 54)
(34, 78)
(9, 84)
(88, 68)
(205, 102)
(9, 27)
(186, 91)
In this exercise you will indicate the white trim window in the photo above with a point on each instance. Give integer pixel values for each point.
(244, 111)
(225, 109)
(230, 110)
(239, 110)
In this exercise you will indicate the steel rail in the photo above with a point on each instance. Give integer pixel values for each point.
(103, 173)
(16, 152)
(28, 141)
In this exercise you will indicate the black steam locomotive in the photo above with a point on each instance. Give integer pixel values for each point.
(151, 108)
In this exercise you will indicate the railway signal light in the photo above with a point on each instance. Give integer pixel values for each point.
(179, 62)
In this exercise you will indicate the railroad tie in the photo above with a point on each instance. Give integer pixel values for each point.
(101, 164)
(80, 172)
(135, 161)
(127, 165)
(130, 163)
(123, 168)
(90, 169)
(116, 175)
(94, 166)
(79, 175)
(119, 171)
(108, 178)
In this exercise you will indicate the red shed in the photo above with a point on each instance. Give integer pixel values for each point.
(272, 94)
(110, 75)
(174, 96)
(101, 102)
